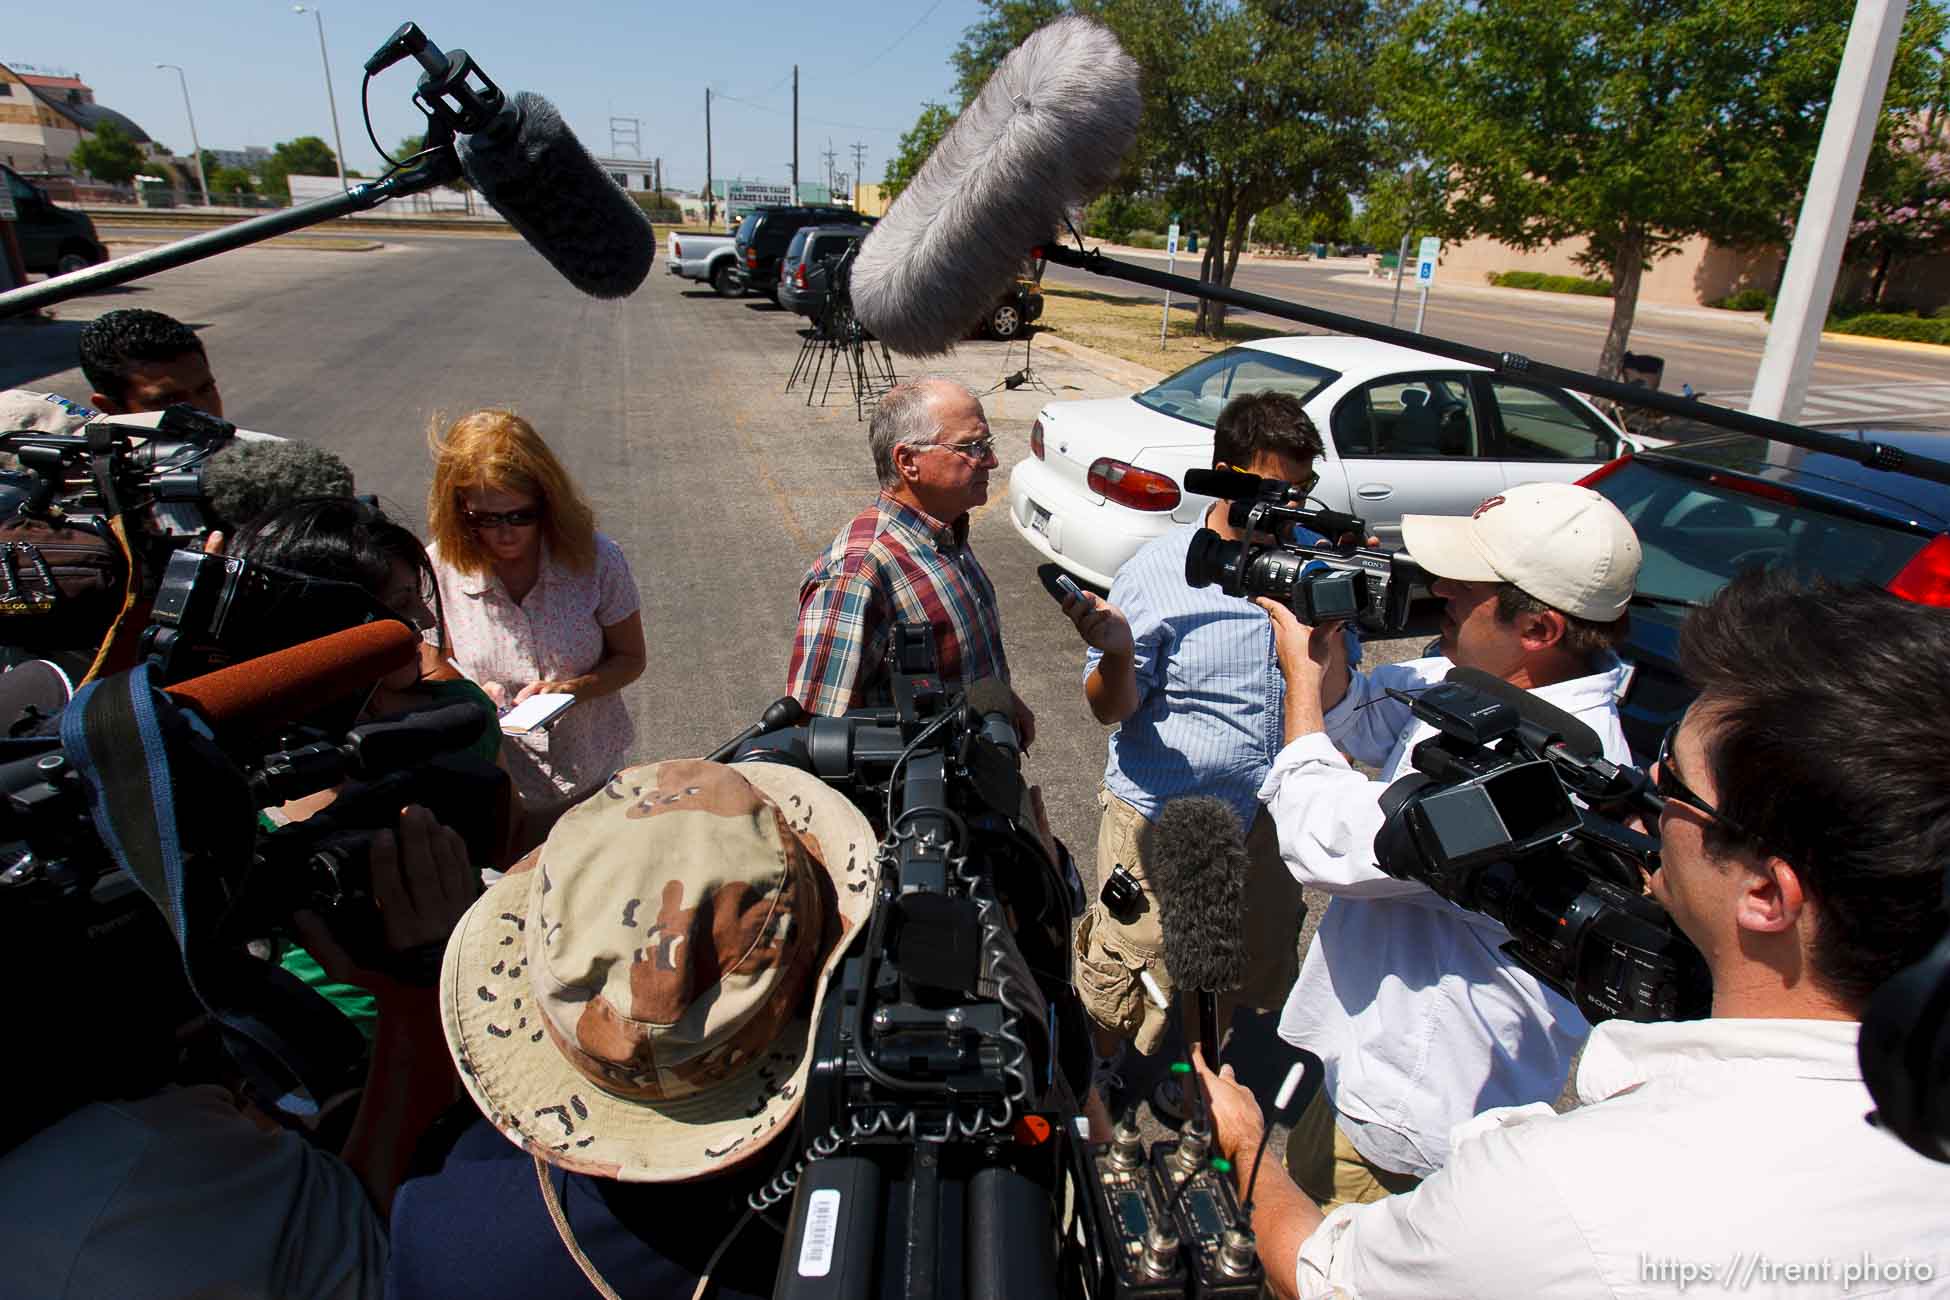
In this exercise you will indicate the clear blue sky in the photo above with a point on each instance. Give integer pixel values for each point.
(254, 74)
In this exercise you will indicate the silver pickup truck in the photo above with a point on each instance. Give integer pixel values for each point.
(712, 259)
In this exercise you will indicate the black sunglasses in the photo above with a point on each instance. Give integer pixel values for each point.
(480, 520)
(1667, 785)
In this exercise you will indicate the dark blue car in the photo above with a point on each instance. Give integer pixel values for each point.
(1706, 510)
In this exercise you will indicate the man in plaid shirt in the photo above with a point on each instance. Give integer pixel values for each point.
(905, 559)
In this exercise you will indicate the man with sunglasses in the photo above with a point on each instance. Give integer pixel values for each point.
(1804, 824)
(1187, 676)
(906, 559)
(1420, 1018)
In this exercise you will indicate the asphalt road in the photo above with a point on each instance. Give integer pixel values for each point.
(1717, 353)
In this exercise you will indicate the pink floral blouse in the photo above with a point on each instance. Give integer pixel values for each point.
(556, 632)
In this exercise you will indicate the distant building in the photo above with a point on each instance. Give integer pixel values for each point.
(45, 114)
(638, 175)
(246, 158)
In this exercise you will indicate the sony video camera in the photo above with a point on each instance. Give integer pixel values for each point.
(1326, 581)
(938, 1151)
(1487, 821)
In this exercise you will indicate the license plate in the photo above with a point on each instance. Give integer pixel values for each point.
(1039, 519)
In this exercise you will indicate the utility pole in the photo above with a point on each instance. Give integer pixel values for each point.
(660, 176)
(1815, 257)
(829, 156)
(859, 169)
(795, 133)
(710, 194)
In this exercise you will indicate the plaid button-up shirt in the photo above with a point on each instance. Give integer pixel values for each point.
(891, 564)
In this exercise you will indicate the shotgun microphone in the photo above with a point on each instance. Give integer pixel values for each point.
(531, 169)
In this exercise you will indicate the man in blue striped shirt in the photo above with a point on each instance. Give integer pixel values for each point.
(1188, 677)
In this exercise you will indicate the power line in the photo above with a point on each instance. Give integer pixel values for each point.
(929, 13)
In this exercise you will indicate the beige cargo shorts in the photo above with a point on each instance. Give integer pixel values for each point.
(1110, 953)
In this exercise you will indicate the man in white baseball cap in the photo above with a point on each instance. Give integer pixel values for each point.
(1420, 1018)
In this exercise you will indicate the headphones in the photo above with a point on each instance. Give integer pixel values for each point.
(1904, 1050)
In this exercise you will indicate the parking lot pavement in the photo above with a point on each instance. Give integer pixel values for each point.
(670, 409)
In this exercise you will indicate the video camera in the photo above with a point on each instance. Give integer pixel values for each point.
(1321, 582)
(1487, 821)
(938, 1151)
(92, 514)
(134, 861)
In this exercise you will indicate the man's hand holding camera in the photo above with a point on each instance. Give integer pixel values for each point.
(1313, 660)
(422, 882)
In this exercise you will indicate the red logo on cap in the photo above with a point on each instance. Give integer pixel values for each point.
(1477, 513)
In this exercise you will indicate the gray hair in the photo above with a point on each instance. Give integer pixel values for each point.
(906, 415)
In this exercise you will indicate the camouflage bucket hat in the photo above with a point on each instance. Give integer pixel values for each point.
(635, 999)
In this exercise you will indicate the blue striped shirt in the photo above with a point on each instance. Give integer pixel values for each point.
(1210, 698)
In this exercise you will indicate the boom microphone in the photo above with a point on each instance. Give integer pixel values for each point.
(258, 694)
(1048, 131)
(1577, 737)
(531, 169)
(1200, 876)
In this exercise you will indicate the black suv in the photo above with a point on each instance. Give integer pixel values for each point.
(764, 233)
(52, 239)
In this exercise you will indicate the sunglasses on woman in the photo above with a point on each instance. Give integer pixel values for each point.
(482, 520)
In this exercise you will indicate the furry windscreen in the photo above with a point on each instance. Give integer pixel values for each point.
(1049, 130)
(1198, 866)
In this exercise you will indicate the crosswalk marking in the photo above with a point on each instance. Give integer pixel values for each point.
(1863, 403)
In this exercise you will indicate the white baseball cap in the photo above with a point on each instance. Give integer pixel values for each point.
(1561, 543)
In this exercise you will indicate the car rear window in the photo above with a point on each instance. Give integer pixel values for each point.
(1698, 534)
(798, 244)
(747, 227)
(1200, 391)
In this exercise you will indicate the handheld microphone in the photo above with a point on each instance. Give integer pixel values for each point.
(1200, 876)
(261, 693)
(782, 712)
(531, 169)
(1050, 129)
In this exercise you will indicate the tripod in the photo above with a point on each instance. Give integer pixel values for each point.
(838, 338)
(1025, 377)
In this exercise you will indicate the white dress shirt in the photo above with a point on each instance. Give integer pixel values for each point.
(1708, 1157)
(1421, 1021)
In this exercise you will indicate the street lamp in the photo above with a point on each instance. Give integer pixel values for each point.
(330, 98)
(196, 148)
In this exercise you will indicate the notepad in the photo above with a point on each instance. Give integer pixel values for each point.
(535, 714)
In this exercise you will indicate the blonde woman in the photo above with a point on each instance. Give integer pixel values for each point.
(535, 601)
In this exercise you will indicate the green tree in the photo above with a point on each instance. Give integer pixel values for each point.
(1398, 205)
(1904, 208)
(915, 146)
(1287, 224)
(306, 156)
(1113, 216)
(227, 182)
(1246, 103)
(1630, 124)
(108, 154)
(988, 41)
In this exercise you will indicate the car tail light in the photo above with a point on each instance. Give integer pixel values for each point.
(1127, 485)
(1606, 470)
(1926, 578)
(676, 249)
(799, 276)
(1780, 496)
(1036, 440)
(751, 260)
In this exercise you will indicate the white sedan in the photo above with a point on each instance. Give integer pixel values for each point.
(1406, 432)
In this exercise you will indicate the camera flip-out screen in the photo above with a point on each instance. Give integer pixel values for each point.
(1506, 812)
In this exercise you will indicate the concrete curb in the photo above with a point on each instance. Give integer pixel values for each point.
(1110, 367)
(316, 243)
